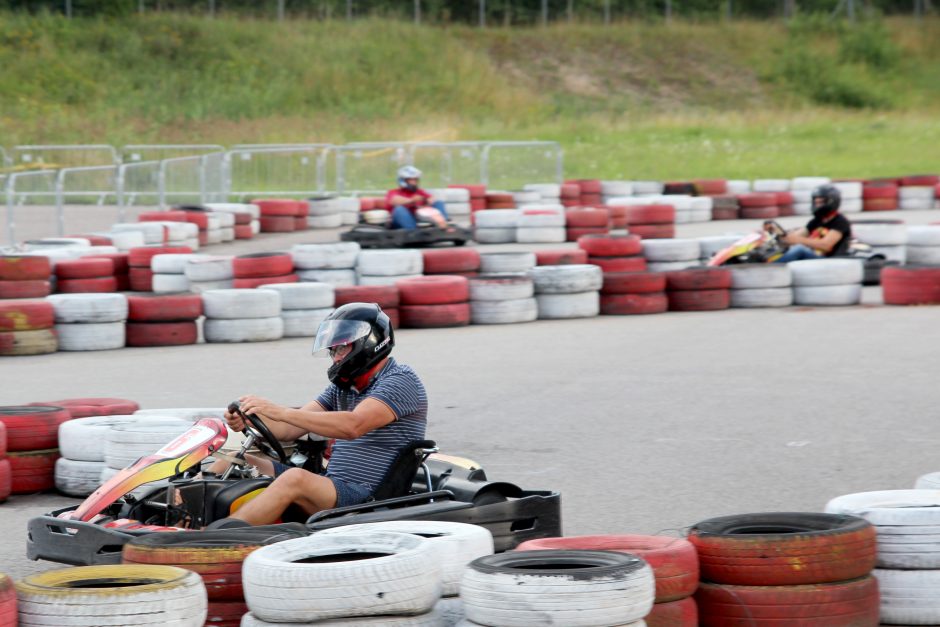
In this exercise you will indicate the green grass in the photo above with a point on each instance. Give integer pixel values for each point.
(636, 100)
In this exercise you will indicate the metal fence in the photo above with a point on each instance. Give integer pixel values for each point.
(36, 190)
(446, 163)
(252, 170)
(65, 156)
(138, 186)
(5, 160)
(510, 165)
(157, 152)
(90, 190)
(369, 167)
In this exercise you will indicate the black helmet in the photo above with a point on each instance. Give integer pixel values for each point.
(832, 198)
(364, 327)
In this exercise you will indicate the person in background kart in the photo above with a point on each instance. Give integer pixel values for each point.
(828, 234)
(408, 201)
(373, 406)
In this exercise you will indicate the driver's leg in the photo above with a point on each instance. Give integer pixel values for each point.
(798, 252)
(313, 493)
(441, 207)
(402, 218)
(264, 465)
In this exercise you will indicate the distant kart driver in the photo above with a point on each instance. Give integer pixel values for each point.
(828, 234)
(408, 202)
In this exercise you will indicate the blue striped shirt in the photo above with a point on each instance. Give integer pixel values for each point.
(366, 459)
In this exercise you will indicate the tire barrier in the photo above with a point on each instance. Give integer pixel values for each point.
(242, 315)
(663, 255)
(581, 222)
(303, 306)
(887, 237)
(87, 274)
(126, 443)
(169, 272)
(434, 301)
(385, 296)
(698, 289)
(923, 245)
(614, 253)
(758, 206)
(32, 427)
(911, 285)
(570, 291)
(32, 471)
(26, 328)
(507, 263)
(502, 299)
(708, 246)
(827, 282)
(560, 257)
(450, 260)
(541, 223)
(385, 267)
(162, 319)
(761, 285)
(495, 226)
(631, 293)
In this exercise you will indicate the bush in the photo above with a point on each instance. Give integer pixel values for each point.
(824, 81)
(869, 43)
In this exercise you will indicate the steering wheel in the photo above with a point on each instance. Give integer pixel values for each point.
(264, 439)
(776, 228)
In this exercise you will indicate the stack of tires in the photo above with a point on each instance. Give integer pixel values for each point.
(710, 187)
(281, 215)
(498, 199)
(631, 293)
(614, 253)
(541, 223)
(216, 556)
(326, 263)
(32, 440)
(89, 322)
(26, 328)
(396, 576)
(549, 193)
(923, 245)
(82, 442)
(303, 306)
(664, 255)
(652, 221)
(673, 560)
(242, 315)
(569, 194)
(84, 275)
(615, 189)
(911, 286)
(886, 237)
(205, 272)
(761, 285)
(169, 272)
(88, 407)
(139, 260)
(648, 188)
(477, 195)
(682, 205)
(386, 267)
(459, 261)
(785, 204)
(580, 222)
(163, 319)
(25, 276)
(590, 191)
(262, 268)
(495, 226)
(725, 207)
(699, 289)
(786, 568)
(758, 206)
(567, 291)
(908, 557)
(738, 186)
(560, 257)
(879, 196)
(851, 196)
(507, 263)
(771, 185)
(456, 201)
(178, 228)
(245, 223)
(325, 213)
(525, 198)
(208, 225)
(502, 299)
(801, 188)
(611, 589)
(827, 281)
(917, 192)
(226, 225)
(130, 235)
(385, 296)
(121, 267)
(434, 301)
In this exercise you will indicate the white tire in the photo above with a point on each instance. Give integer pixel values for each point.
(390, 262)
(545, 190)
(214, 236)
(96, 336)
(244, 330)
(930, 481)
(209, 268)
(738, 186)
(323, 207)
(437, 617)
(497, 219)
(559, 306)
(152, 232)
(827, 271)
(170, 283)
(828, 295)
(82, 439)
(241, 304)
(201, 287)
(541, 235)
(683, 217)
(308, 295)
(89, 307)
(891, 253)
(915, 204)
(138, 595)
(526, 198)
(77, 478)
(877, 233)
(802, 195)
(255, 227)
(125, 444)
(335, 277)
(700, 215)
(916, 192)
(909, 597)
(332, 221)
(458, 544)
(451, 194)
(172, 263)
(510, 262)
(762, 297)
(303, 322)
(536, 220)
(671, 249)
(192, 243)
(125, 240)
(501, 287)
(851, 205)
(405, 580)
(849, 190)
(228, 233)
(647, 188)
(503, 235)
(191, 414)
(351, 218)
(771, 185)
(669, 266)
(760, 275)
(568, 279)
(234, 207)
(458, 209)
(504, 311)
(385, 280)
(226, 219)
(803, 208)
(616, 188)
(928, 235)
(923, 255)
(808, 183)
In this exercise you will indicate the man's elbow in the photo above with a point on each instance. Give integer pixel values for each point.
(352, 429)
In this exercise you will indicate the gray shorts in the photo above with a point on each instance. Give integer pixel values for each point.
(347, 493)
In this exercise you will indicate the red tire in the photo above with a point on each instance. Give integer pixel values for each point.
(653, 231)
(87, 407)
(8, 611)
(394, 316)
(141, 279)
(161, 333)
(225, 613)
(264, 280)
(300, 223)
(447, 260)
(783, 198)
(633, 304)
(633, 282)
(476, 191)
(6, 486)
(162, 216)
(725, 213)
(587, 186)
(434, 316)
(277, 224)
(32, 471)
(610, 245)
(24, 268)
(86, 286)
(32, 427)
(262, 264)
(925, 180)
(651, 214)
(163, 307)
(699, 279)
(242, 218)
(385, 296)
(118, 260)
(785, 211)
(699, 300)
(203, 238)
(908, 285)
(852, 603)
(560, 257)
(24, 289)
(759, 213)
(140, 257)
(570, 189)
(439, 289)
(500, 198)
(880, 204)
(757, 199)
(3, 440)
(84, 268)
(26, 315)
(591, 200)
(682, 613)
(477, 204)
(94, 240)
(673, 560)
(587, 218)
(572, 234)
(619, 264)
(279, 207)
(882, 191)
(243, 231)
(710, 187)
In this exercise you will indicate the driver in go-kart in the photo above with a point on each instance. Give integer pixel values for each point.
(828, 234)
(374, 406)
(408, 202)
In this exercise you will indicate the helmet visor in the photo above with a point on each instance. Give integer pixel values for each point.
(333, 333)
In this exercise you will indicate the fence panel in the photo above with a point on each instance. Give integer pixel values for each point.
(253, 170)
(443, 163)
(138, 188)
(5, 160)
(369, 167)
(190, 180)
(510, 165)
(65, 156)
(30, 206)
(133, 153)
(87, 199)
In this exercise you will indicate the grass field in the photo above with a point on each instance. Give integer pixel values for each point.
(744, 100)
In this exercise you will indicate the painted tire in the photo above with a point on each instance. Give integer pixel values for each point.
(24, 289)
(161, 333)
(699, 300)
(433, 290)
(682, 613)
(24, 268)
(26, 315)
(32, 471)
(447, 260)
(611, 245)
(434, 316)
(699, 279)
(619, 264)
(32, 427)
(633, 282)
(385, 296)
(163, 307)
(560, 257)
(262, 265)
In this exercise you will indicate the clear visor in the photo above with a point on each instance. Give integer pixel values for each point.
(333, 333)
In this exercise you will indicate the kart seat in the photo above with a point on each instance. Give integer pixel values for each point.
(401, 474)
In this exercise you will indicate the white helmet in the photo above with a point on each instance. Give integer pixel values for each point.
(408, 172)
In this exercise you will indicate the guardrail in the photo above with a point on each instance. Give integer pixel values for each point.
(133, 153)
(544, 163)
(280, 169)
(446, 163)
(90, 185)
(27, 188)
(59, 156)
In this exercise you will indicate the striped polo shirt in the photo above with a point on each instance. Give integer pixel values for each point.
(366, 459)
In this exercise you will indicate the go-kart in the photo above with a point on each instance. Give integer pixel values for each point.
(420, 485)
(381, 235)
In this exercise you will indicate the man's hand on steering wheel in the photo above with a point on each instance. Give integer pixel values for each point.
(251, 422)
(251, 404)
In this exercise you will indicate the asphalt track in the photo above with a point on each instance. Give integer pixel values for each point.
(645, 424)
